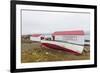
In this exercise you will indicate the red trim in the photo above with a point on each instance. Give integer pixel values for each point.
(78, 32)
(52, 46)
(36, 35)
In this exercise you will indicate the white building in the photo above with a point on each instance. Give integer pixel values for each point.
(35, 37)
(39, 37)
(74, 37)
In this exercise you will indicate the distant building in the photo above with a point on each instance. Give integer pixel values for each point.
(39, 37)
(75, 37)
(35, 37)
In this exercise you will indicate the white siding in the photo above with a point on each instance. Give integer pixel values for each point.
(35, 38)
(77, 39)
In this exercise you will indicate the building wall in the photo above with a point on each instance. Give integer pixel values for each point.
(46, 37)
(35, 38)
(76, 39)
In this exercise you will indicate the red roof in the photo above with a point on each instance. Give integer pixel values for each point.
(78, 32)
(36, 35)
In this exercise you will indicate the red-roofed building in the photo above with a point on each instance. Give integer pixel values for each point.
(39, 37)
(76, 36)
(35, 37)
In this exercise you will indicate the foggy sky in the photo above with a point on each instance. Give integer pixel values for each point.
(48, 22)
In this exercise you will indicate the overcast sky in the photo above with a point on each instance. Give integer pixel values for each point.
(48, 22)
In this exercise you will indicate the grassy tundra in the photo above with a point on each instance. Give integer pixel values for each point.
(33, 52)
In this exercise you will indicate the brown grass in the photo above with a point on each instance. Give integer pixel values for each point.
(33, 52)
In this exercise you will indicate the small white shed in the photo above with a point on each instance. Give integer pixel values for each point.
(35, 37)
